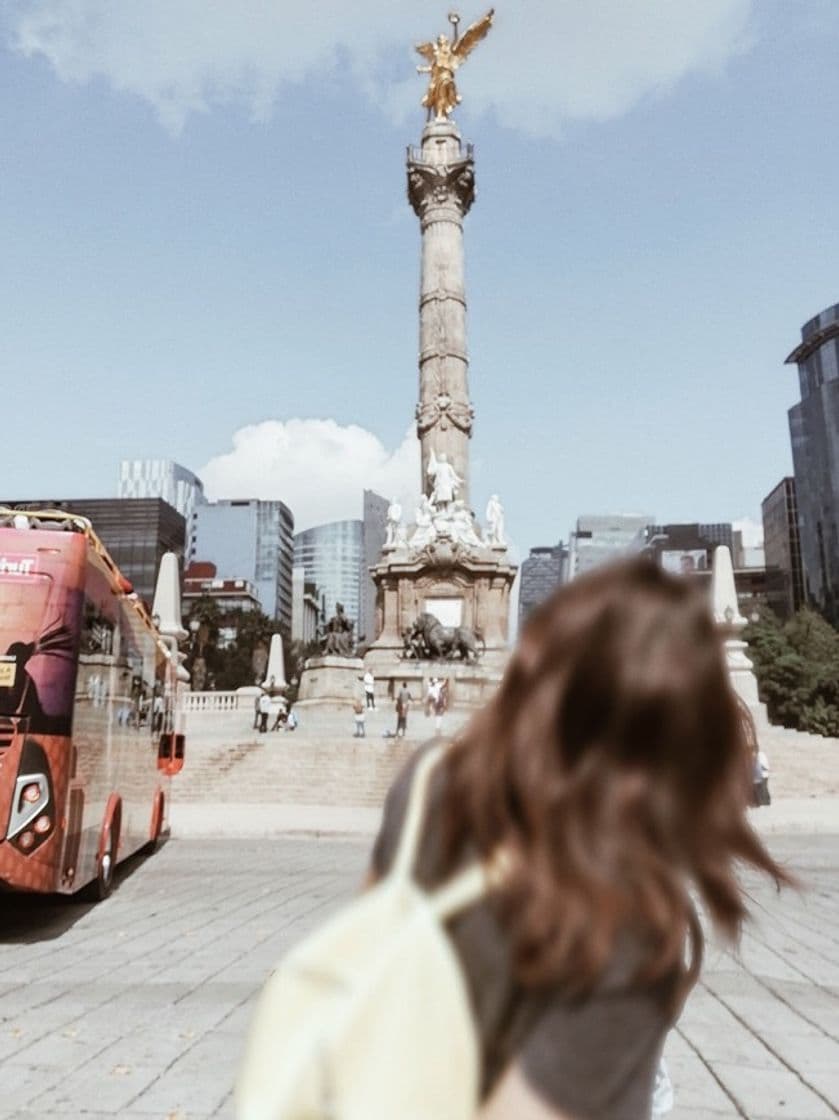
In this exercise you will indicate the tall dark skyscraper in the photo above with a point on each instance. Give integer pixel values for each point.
(781, 542)
(545, 569)
(814, 432)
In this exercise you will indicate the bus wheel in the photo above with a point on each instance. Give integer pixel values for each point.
(103, 884)
(156, 822)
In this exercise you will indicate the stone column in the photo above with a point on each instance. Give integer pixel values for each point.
(441, 188)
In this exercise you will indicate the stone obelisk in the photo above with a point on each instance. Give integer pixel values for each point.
(441, 188)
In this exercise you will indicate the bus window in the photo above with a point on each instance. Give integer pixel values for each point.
(37, 646)
(96, 659)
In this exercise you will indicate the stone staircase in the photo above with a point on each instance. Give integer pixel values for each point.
(321, 763)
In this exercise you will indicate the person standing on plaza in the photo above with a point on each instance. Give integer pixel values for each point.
(760, 777)
(441, 703)
(359, 712)
(606, 784)
(403, 703)
(432, 696)
(370, 689)
(264, 711)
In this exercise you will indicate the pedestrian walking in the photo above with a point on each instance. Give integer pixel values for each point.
(403, 703)
(603, 788)
(432, 696)
(359, 712)
(441, 703)
(370, 689)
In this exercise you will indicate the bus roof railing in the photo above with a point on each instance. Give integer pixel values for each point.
(67, 521)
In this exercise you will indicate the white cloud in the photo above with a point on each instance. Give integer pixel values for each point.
(752, 531)
(544, 62)
(317, 467)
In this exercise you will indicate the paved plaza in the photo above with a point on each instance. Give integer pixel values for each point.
(138, 1007)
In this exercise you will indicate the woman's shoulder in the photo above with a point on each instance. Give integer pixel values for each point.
(396, 805)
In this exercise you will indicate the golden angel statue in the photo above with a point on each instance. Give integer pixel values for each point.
(445, 56)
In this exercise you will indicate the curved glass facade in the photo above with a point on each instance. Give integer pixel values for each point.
(814, 434)
(332, 557)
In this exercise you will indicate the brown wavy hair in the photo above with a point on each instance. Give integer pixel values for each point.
(613, 768)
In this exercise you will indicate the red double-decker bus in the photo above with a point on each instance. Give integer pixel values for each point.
(88, 699)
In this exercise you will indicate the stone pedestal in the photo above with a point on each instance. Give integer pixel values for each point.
(330, 680)
(461, 588)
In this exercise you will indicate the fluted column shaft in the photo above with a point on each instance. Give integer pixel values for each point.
(441, 186)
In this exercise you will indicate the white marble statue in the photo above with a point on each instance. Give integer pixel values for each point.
(425, 532)
(393, 524)
(445, 480)
(462, 525)
(495, 523)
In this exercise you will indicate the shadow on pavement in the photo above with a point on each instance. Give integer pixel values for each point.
(26, 919)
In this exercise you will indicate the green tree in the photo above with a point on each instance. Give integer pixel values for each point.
(797, 669)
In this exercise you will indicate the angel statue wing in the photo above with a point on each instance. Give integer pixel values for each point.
(472, 36)
(426, 50)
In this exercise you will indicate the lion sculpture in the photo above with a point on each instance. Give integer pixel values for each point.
(429, 639)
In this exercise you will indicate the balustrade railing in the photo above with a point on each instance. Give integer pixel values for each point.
(215, 701)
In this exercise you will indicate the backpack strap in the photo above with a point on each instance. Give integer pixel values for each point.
(406, 853)
(470, 885)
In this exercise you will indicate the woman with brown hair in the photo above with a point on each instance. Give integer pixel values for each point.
(611, 770)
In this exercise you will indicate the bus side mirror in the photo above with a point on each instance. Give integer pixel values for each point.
(170, 753)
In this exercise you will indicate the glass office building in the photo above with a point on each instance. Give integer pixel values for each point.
(252, 540)
(542, 573)
(332, 557)
(374, 534)
(782, 547)
(166, 479)
(600, 538)
(814, 433)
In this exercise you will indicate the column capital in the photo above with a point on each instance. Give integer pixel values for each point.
(445, 185)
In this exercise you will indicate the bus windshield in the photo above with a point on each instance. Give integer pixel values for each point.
(38, 640)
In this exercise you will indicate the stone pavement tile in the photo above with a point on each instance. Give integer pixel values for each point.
(815, 1005)
(824, 1080)
(67, 1049)
(694, 1085)
(21, 1083)
(184, 1087)
(772, 1093)
(107, 1087)
(77, 1113)
(680, 1113)
(717, 1035)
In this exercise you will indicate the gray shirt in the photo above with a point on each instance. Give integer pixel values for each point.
(595, 1058)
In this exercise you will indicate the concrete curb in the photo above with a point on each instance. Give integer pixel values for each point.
(798, 815)
(232, 820)
(788, 816)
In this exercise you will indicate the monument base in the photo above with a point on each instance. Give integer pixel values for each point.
(461, 588)
(470, 683)
(329, 679)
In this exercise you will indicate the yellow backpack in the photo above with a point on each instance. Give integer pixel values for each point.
(369, 1018)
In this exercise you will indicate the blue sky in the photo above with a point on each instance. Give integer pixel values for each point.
(207, 247)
